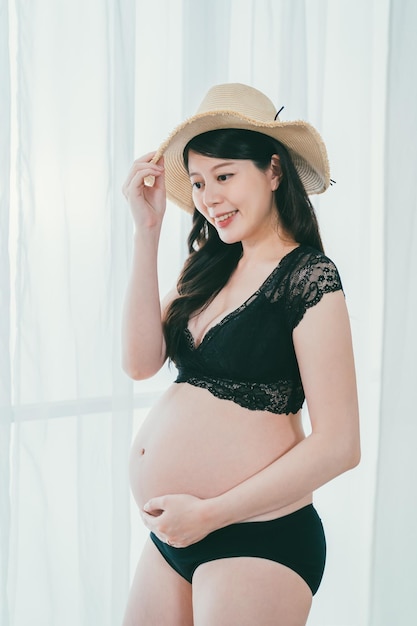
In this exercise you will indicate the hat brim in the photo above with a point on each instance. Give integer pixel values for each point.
(303, 141)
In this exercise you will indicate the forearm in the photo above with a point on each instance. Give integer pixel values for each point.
(307, 466)
(143, 344)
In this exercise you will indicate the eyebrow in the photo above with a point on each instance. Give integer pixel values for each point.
(214, 168)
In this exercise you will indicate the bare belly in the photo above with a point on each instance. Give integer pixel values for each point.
(192, 442)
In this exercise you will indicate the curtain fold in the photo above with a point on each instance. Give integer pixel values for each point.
(121, 93)
(70, 526)
(5, 364)
(395, 541)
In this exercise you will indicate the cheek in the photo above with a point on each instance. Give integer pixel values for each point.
(198, 203)
(201, 208)
(267, 197)
(261, 198)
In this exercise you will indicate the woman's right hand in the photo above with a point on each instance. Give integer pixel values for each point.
(147, 204)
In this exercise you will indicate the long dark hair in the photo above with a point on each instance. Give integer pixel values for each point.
(211, 262)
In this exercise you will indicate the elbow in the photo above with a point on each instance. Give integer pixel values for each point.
(138, 373)
(350, 455)
(355, 456)
(342, 453)
(143, 371)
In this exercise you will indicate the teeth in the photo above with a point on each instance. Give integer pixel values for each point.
(225, 217)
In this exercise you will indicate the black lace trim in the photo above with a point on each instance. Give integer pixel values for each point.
(277, 397)
(306, 286)
(298, 283)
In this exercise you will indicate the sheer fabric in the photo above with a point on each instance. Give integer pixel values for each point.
(72, 142)
(89, 86)
(394, 559)
(5, 363)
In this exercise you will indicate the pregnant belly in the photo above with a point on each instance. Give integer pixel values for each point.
(192, 442)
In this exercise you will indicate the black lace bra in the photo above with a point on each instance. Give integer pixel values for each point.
(249, 356)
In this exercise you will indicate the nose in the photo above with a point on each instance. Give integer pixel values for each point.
(212, 195)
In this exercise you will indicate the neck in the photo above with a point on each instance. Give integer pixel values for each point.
(271, 248)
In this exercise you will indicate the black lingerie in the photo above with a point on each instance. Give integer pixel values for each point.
(296, 540)
(249, 356)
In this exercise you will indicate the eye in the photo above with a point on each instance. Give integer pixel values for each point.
(197, 185)
(224, 177)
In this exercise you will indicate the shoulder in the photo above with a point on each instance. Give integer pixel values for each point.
(310, 275)
(310, 266)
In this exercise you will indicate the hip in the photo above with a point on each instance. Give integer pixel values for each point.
(296, 540)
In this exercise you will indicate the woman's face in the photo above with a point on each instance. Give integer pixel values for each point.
(234, 196)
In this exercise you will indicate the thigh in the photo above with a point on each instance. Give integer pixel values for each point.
(244, 591)
(158, 594)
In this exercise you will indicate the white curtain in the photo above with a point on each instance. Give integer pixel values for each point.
(395, 544)
(72, 78)
(85, 86)
(5, 376)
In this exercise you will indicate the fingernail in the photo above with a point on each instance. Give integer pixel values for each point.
(149, 181)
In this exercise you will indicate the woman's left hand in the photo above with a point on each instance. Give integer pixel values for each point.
(178, 519)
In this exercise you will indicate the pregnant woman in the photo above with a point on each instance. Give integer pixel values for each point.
(221, 470)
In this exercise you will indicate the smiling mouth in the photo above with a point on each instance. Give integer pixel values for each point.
(226, 216)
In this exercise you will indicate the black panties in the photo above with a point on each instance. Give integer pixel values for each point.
(295, 540)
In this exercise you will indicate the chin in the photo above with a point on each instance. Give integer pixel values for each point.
(229, 238)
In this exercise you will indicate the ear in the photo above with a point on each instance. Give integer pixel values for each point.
(276, 172)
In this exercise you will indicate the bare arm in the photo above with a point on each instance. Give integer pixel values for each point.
(143, 346)
(324, 352)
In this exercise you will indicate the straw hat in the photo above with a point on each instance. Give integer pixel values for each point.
(234, 105)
